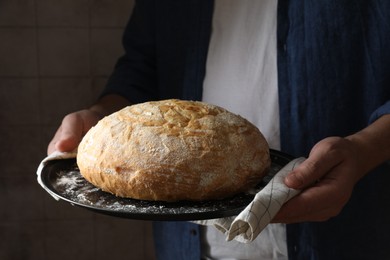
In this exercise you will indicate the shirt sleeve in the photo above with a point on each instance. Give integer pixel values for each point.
(134, 75)
(382, 110)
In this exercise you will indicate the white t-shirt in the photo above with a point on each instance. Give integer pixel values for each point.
(241, 76)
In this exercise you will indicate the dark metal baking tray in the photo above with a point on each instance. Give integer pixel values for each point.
(63, 178)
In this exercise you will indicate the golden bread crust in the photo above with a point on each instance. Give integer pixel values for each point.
(173, 150)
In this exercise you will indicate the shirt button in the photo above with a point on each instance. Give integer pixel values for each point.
(193, 232)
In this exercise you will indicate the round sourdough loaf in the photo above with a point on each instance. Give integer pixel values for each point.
(173, 150)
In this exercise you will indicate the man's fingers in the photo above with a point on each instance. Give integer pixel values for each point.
(304, 175)
(67, 143)
(68, 134)
(321, 160)
(71, 133)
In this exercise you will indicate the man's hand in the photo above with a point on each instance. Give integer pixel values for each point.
(326, 179)
(329, 174)
(73, 127)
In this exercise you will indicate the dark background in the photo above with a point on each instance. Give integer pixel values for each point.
(55, 57)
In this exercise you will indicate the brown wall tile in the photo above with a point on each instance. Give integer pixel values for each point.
(22, 198)
(17, 13)
(70, 239)
(62, 210)
(22, 240)
(106, 48)
(106, 13)
(20, 101)
(63, 52)
(62, 13)
(21, 150)
(61, 96)
(18, 52)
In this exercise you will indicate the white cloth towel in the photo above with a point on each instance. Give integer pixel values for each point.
(258, 214)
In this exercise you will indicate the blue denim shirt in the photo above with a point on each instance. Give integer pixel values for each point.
(334, 79)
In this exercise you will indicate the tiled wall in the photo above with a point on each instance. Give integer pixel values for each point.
(55, 57)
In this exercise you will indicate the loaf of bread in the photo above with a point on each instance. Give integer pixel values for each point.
(173, 150)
